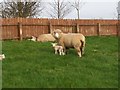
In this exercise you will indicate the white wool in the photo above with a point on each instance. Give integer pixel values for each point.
(54, 44)
(45, 38)
(57, 35)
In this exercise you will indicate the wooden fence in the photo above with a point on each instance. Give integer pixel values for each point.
(19, 28)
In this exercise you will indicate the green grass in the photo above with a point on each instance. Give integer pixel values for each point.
(34, 65)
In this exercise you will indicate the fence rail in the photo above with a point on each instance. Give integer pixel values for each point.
(19, 28)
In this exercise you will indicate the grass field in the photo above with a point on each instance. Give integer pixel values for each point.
(34, 65)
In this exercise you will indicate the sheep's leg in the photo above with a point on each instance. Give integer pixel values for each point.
(60, 52)
(56, 52)
(82, 47)
(79, 54)
(78, 51)
(64, 51)
(83, 50)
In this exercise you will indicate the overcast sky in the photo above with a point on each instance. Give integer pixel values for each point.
(94, 9)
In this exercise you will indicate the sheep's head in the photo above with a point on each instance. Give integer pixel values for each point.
(57, 33)
(54, 44)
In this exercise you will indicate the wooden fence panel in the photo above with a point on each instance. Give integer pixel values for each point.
(10, 32)
(34, 27)
(88, 30)
(29, 31)
(108, 30)
(65, 29)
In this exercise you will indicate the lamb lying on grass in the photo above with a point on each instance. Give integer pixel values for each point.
(58, 49)
(70, 40)
(2, 57)
(33, 39)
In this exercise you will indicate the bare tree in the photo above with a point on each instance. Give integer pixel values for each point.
(77, 4)
(21, 9)
(118, 10)
(59, 9)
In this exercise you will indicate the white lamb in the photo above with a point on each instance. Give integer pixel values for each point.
(33, 39)
(58, 49)
(2, 57)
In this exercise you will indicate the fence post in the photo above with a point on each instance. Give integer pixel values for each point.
(117, 29)
(50, 27)
(77, 28)
(98, 29)
(20, 31)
